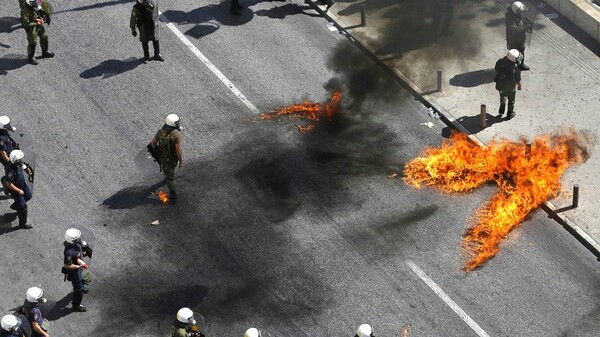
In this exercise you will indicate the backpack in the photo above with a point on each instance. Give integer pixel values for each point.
(504, 79)
(165, 147)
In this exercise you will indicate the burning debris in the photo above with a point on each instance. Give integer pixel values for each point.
(163, 197)
(310, 111)
(527, 174)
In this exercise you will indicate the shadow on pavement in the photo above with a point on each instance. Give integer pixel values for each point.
(60, 309)
(473, 123)
(8, 24)
(111, 68)
(11, 62)
(132, 197)
(286, 10)
(6, 221)
(473, 78)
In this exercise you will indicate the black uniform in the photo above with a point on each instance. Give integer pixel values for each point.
(516, 32)
(16, 176)
(508, 75)
(73, 252)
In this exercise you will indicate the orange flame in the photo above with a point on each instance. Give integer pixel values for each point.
(164, 197)
(405, 330)
(527, 174)
(311, 111)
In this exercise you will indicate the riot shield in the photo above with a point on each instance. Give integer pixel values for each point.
(24, 142)
(198, 329)
(25, 323)
(146, 163)
(89, 238)
(529, 16)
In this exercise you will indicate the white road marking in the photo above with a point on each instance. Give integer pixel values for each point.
(441, 294)
(209, 64)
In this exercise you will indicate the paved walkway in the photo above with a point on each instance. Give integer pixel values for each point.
(560, 91)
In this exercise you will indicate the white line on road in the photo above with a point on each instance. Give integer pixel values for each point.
(209, 64)
(441, 294)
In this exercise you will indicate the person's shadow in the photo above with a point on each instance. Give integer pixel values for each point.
(473, 78)
(132, 197)
(11, 62)
(111, 68)
(6, 221)
(288, 9)
(58, 309)
(473, 123)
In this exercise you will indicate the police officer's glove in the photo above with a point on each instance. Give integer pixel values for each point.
(134, 33)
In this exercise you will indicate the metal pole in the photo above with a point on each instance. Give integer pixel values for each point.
(575, 195)
(363, 15)
(482, 117)
(439, 81)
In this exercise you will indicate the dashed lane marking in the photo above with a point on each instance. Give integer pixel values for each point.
(209, 64)
(441, 294)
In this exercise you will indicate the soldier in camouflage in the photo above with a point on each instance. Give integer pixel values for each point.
(168, 143)
(34, 14)
(144, 16)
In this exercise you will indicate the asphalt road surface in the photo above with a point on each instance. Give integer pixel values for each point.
(298, 234)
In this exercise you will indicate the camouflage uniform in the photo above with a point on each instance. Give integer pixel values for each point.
(168, 138)
(144, 16)
(516, 34)
(29, 17)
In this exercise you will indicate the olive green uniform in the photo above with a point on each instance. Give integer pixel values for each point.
(178, 330)
(29, 16)
(167, 143)
(144, 16)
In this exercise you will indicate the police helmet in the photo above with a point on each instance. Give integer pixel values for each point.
(518, 7)
(5, 124)
(365, 330)
(252, 332)
(513, 55)
(172, 120)
(185, 315)
(10, 322)
(35, 4)
(72, 235)
(16, 156)
(34, 295)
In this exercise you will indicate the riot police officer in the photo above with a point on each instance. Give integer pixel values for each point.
(74, 265)
(183, 324)
(364, 330)
(15, 181)
(34, 15)
(31, 310)
(516, 30)
(166, 147)
(11, 326)
(144, 16)
(6, 142)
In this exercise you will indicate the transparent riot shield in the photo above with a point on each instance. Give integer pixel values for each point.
(24, 142)
(25, 323)
(146, 163)
(198, 329)
(88, 243)
(529, 16)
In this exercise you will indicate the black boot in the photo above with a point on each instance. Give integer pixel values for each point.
(502, 109)
(511, 115)
(22, 214)
(157, 55)
(44, 45)
(31, 55)
(235, 7)
(173, 199)
(5, 186)
(146, 52)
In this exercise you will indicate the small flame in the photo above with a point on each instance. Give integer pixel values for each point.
(164, 197)
(405, 330)
(311, 111)
(393, 175)
(527, 174)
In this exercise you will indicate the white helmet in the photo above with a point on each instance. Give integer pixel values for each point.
(9, 322)
(34, 295)
(512, 55)
(186, 315)
(72, 235)
(16, 156)
(35, 4)
(252, 332)
(5, 124)
(518, 7)
(172, 120)
(365, 330)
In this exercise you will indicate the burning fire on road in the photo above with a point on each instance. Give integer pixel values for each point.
(163, 197)
(527, 174)
(314, 112)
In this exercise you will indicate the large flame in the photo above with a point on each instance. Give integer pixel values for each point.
(527, 174)
(311, 111)
(163, 196)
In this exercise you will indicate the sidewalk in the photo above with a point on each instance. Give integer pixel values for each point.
(560, 91)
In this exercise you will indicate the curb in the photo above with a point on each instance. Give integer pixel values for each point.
(448, 119)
